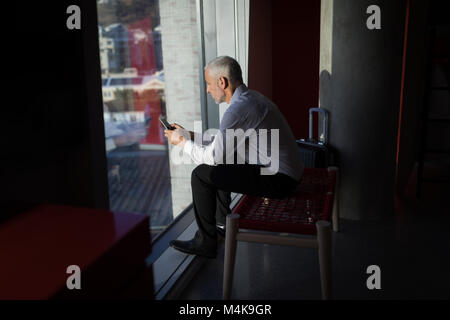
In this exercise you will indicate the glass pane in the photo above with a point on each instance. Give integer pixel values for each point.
(148, 53)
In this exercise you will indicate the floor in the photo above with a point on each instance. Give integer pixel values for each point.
(411, 248)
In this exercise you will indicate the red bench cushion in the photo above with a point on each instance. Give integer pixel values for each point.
(297, 213)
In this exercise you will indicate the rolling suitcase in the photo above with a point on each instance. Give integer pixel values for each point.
(316, 153)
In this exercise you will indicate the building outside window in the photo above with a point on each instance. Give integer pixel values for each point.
(149, 60)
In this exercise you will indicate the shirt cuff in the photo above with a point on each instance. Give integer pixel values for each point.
(188, 145)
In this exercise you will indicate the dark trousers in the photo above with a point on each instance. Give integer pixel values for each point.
(212, 185)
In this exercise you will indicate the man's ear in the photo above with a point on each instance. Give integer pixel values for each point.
(223, 83)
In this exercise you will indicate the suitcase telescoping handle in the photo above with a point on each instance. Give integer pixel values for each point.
(324, 124)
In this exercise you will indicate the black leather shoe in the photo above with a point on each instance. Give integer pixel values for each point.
(193, 247)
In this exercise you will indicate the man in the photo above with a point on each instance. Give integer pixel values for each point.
(223, 169)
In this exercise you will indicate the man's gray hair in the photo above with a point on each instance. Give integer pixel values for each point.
(225, 66)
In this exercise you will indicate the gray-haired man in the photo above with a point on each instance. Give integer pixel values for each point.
(246, 166)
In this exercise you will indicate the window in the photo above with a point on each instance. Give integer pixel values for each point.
(149, 60)
(152, 54)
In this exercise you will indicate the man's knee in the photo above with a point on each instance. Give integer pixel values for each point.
(200, 172)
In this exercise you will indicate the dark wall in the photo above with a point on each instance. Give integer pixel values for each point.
(421, 14)
(260, 47)
(413, 90)
(49, 154)
(285, 37)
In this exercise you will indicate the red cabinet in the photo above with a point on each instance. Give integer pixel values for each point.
(110, 248)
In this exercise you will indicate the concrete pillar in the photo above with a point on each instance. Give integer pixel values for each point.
(179, 35)
(360, 80)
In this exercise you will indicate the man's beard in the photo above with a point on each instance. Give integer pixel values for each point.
(220, 98)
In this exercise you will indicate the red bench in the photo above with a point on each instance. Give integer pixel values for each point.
(309, 210)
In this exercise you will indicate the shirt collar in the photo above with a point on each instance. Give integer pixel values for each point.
(239, 90)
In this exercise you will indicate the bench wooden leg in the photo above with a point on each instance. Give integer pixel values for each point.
(230, 253)
(324, 239)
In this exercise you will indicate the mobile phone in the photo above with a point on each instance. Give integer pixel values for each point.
(165, 123)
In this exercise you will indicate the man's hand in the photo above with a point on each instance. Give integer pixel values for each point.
(179, 136)
(191, 134)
